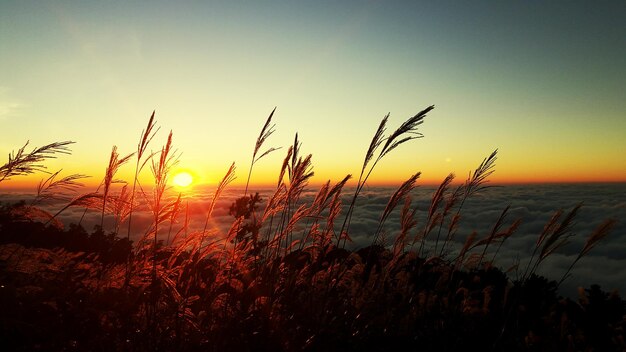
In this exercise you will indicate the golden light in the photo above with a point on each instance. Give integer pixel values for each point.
(183, 179)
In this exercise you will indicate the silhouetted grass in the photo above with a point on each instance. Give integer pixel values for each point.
(280, 278)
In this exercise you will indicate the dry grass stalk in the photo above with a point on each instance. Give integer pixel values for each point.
(52, 188)
(467, 246)
(317, 206)
(493, 234)
(555, 235)
(160, 172)
(300, 213)
(276, 203)
(475, 182)
(21, 163)
(92, 200)
(334, 210)
(375, 143)
(407, 222)
(561, 234)
(228, 178)
(402, 192)
(406, 132)
(142, 146)
(435, 203)
(325, 199)
(337, 188)
(547, 229)
(321, 195)
(596, 236)
(109, 177)
(299, 176)
(121, 206)
(144, 140)
(299, 170)
(173, 214)
(503, 236)
(266, 131)
(478, 180)
(283, 168)
(377, 140)
(450, 202)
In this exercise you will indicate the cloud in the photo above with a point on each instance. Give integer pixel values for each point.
(8, 109)
(605, 264)
(9, 106)
(534, 204)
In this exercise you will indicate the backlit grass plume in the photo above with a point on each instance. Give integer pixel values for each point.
(57, 188)
(160, 172)
(228, 178)
(555, 235)
(476, 182)
(266, 131)
(406, 132)
(596, 236)
(435, 217)
(109, 177)
(144, 140)
(401, 193)
(21, 163)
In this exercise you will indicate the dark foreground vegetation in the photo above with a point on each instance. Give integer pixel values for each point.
(281, 279)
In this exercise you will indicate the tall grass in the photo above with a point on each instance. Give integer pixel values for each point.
(160, 172)
(406, 132)
(21, 163)
(109, 177)
(281, 270)
(144, 140)
(266, 131)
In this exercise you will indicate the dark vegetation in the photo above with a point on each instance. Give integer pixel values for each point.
(281, 279)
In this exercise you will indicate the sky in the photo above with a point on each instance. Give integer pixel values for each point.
(543, 82)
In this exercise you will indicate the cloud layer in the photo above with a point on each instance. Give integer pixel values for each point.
(534, 204)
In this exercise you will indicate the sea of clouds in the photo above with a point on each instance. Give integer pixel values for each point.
(534, 204)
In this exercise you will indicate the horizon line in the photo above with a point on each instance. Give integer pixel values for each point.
(31, 186)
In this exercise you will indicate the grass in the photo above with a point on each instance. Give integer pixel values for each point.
(281, 277)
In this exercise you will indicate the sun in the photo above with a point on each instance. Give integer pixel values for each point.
(183, 179)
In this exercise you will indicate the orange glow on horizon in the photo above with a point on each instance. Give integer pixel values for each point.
(184, 179)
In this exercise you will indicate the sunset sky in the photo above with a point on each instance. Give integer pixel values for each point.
(544, 82)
